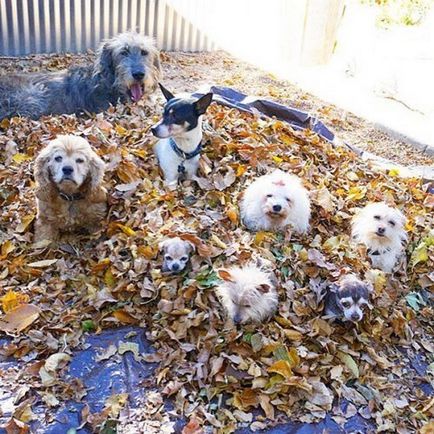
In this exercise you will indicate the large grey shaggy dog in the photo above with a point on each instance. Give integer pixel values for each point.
(126, 67)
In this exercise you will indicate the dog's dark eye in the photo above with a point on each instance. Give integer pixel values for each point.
(392, 223)
(58, 159)
(168, 258)
(346, 304)
(144, 52)
(125, 52)
(269, 195)
(377, 217)
(288, 199)
(79, 160)
(184, 259)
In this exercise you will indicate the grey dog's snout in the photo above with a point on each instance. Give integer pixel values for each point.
(67, 170)
(138, 75)
(175, 267)
(381, 230)
(355, 317)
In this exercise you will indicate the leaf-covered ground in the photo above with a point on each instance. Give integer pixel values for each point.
(298, 365)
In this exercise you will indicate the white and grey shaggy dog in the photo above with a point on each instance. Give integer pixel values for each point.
(126, 68)
(381, 229)
(248, 294)
(275, 201)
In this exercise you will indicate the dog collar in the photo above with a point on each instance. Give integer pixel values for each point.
(70, 197)
(377, 252)
(181, 153)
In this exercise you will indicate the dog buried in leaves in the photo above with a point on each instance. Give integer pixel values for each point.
(248, 294)
(347, 298)
(69, 194)
(275, 201)
(126, 67)
(381, 229)
(176, 254)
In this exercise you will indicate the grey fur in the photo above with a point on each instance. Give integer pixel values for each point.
(90, 88)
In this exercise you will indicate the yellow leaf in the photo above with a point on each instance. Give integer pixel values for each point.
(18, 319)
(25, 221)
(149, 252)
(121, 130)
(245, 399)
(277, 159)
(109, 279)
(115, 404)
(281, 367)
(101, 265)
(13, 299)
(7, 247)
(394, 172)
(20, 158)
(356, 193)
(126, 230)
(141, 153)
(241, 170)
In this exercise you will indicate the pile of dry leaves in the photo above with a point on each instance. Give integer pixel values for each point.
(298, 365)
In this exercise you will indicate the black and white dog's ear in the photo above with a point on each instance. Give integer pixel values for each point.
(333, 287)
(202, 103)
(167, 94)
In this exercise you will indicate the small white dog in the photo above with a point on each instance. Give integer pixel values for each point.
(381, 229)
(247, 294)
(275, 201)
(176, 254)
(180, 131)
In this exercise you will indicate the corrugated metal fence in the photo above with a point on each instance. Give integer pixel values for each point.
(47, 26)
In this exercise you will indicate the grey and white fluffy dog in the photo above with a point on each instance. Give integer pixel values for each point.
(126, 68)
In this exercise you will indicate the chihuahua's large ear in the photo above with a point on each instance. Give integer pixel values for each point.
(191, 246)
(225, 275)
(96, 170)
(167, 94)
(162, 244)
(202, 103)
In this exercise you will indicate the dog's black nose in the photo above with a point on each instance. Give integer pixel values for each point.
(139, 75)
(277, 208)
(237, 318)
(355, 316)
(381, 230)
(67, 170)
(175, 267)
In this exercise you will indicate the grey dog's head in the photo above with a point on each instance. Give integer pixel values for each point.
(131, 62)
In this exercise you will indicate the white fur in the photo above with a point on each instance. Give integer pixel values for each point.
(242, 289)
(169, 160)
(282, 186)
(391, 245)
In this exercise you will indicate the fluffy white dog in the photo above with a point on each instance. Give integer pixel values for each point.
(381, 229)
(275, 201)
(248, 294)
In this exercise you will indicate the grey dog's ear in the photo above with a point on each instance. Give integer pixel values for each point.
(157, 63)
(105, 65)
(96, 170)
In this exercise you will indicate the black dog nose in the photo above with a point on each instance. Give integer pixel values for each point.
(67, 170)
(381, 230)
(237, 318)
(139, 75)
(277, 208)
(175, 267)
(355, 317)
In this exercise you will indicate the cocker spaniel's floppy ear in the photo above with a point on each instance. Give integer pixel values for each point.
(96, 170)
(41, 171)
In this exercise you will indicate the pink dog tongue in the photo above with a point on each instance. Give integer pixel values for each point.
(136, 92)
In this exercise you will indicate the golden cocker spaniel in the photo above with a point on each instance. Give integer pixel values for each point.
(69, 193)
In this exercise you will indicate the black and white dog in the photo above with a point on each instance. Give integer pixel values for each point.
(180, 131)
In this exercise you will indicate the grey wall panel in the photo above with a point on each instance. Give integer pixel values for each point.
(49, 26)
